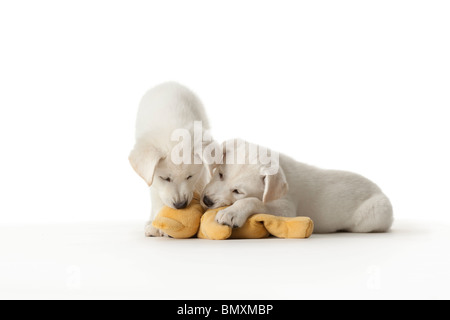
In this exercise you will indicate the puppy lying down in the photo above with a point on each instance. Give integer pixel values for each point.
(334, 200)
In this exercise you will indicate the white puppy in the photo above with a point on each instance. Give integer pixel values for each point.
(334, 200)
(162, 111)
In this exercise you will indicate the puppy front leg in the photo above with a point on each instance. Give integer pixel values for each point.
(157, 204)
(236, 215)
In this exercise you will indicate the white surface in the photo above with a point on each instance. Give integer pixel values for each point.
(359, 86)
(116, 261)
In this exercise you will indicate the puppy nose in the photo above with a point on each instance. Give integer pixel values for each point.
(207, 201)
(181, 204)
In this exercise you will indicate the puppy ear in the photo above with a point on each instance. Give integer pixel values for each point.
(144, 159)
(212, 156)
(275, 186)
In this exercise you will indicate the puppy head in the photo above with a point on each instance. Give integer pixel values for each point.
(243, 176)
(175, 183)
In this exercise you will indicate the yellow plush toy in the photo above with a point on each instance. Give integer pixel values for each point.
(186, 223)
(180, 223)
(257, 226)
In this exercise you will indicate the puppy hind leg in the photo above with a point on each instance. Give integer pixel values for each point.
(373, 215)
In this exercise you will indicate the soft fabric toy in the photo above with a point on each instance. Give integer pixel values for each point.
(186, 223)
(257, 226)
(180, 223)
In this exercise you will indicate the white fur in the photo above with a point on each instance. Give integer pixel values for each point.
(162, 110)
(335, 200)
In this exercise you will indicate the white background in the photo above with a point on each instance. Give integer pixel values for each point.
(354, 85)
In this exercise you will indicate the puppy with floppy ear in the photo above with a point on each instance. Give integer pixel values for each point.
(334, 200)
(246, 186)
(167, 114)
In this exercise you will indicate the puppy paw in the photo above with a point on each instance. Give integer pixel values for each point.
(231, 217)
(151, 231)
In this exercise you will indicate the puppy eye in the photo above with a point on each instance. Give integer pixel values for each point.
(236, 191)
(220, 175)
(165, 179)
(188, 177)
